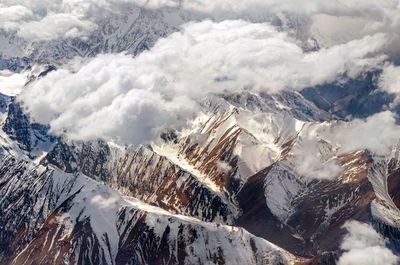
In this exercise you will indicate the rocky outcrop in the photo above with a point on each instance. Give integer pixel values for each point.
(71, 219)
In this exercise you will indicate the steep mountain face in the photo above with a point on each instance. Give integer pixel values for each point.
(313, 212)
(306, 215)
(132, 30)
(145, 175)
(193, 196)
(19, 137)
(358, 97)
(69, 218)
(239, 136)
(249, 178)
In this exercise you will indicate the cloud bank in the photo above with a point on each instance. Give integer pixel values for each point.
(389, 81)
(318, 145)
(331, 21)
(36, 21)
(363, 245)
(313, 156)
(378, 133)
(44, 20)
(117, 96)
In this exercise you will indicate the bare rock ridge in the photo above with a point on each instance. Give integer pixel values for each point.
(190, 197)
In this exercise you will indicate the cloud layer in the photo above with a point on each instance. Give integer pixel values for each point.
(378, 133)
(363, 245)
(319, 144)
(330, 21)
(389, 81)
(117, 96)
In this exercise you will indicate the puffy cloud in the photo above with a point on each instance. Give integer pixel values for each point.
(129, 98)
(312, 165)
(39, 20)
(11, 83)
(319, 143)
(9, 16)
(359, 18)
(378, 133)
(330, 21)
(237, 54)
(55, 26)
(363, 245)
(48, 20)
(110, 97)
(313, 156)
(389, 81)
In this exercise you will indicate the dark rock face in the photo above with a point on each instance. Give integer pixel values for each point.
(139, 234)
(324, 258)
(318, 212)
(80, 247)
(391, 233)
(19, 128)
(88, 158)
(351, 98)
(58, 226)
(394, 186)
(14, 64)
(143, 174)
(19, 219)
(38, 199)
(258, 219)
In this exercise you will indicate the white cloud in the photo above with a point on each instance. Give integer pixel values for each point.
(129, 98)
(363, 245)
(223, 167)
(48, 20)
(324, 18)
(109, 98)
(313, 156)
(55, 26)
(378, 133)
(319, 143)
(11, 83)
(11, 15)
(40, 20)
(356, 19)
(389, 81)
(331, 22)
(311, 165)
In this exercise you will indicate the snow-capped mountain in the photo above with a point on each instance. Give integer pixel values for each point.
(192, 196)
(267, 157)
(69, 218)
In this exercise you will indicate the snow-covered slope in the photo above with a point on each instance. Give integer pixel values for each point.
(74, 219)
(132, 30)
(238, 135)
(142, 173)
(243, 162)
(306, 214)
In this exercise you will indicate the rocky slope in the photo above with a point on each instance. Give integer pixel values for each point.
(51, 217)
(191, 196)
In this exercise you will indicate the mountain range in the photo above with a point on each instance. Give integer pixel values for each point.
(249, 177)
